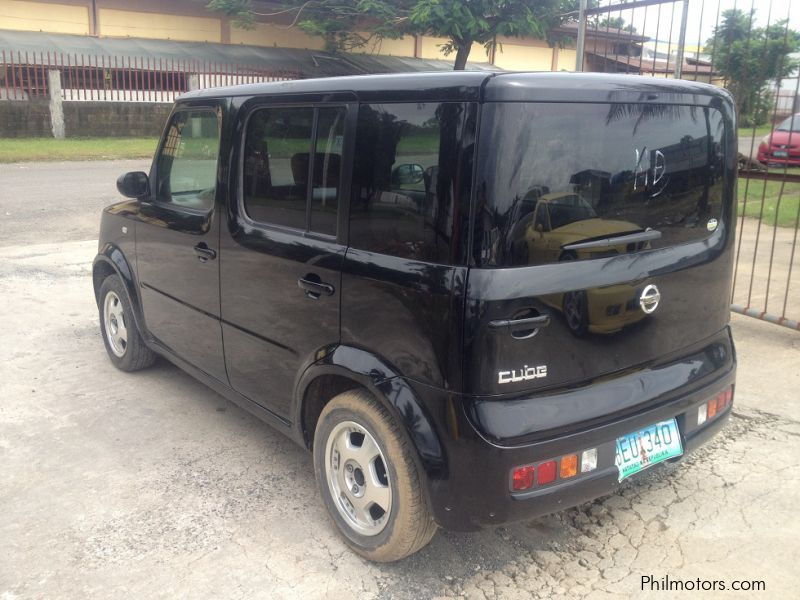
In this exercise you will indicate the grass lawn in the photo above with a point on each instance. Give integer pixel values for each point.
(29, 149)
(790, 198)
(761, 131)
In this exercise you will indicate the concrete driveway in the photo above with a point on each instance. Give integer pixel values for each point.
(151, 485)
(748, 146)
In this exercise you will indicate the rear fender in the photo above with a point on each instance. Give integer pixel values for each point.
(393, 391)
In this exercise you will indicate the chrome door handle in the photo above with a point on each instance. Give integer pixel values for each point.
(204, 253)
(521, 329)
(530, 322)
(314, 287)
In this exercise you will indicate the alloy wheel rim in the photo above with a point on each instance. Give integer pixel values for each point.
(358, 478)
(115, 325)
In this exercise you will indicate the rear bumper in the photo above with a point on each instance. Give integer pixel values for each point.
(475, 490)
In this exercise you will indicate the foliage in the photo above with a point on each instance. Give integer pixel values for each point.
(748, 57)
(351, 24)
(615, 23)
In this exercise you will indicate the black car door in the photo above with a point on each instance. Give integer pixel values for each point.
(281, 257)
(177, 241)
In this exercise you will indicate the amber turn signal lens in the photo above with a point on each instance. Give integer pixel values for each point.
(569, 466)
(712, 408)
(522, 478)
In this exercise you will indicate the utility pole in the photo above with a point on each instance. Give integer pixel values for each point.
(681, 41)
(581, 36)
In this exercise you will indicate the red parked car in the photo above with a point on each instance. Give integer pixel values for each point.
(782, 146)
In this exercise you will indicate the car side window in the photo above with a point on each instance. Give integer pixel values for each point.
(275, 173)
(278, 165)
(406, 190)
(186, 170)
(327, 169)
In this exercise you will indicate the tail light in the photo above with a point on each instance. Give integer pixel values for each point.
(569, 466)
(557, 469)
(709, 410)
(522, 478)
(547, 472)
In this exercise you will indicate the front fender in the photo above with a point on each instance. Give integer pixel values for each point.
(111, 259)
(392, 390)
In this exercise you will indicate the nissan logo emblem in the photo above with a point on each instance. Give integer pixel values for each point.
(649, 299)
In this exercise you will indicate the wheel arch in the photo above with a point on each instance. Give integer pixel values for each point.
(349, 368)
(111, 261)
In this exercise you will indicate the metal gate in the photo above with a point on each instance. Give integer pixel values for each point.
(703, 40)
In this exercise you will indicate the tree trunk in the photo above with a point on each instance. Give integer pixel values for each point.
(462, 54)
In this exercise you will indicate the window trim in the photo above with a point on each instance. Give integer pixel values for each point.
(346, 164)
(153, 175)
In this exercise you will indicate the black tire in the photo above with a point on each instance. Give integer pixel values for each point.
(575, 305)
(135, 355)
(409, 525)
(575, 309)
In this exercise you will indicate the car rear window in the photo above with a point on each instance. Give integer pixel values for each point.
(580, 181)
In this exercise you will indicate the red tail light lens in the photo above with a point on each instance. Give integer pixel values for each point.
(547, 472)
(522, 478)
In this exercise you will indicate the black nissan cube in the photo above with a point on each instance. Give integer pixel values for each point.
(475, 297)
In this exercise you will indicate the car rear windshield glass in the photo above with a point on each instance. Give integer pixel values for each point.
(576, 181)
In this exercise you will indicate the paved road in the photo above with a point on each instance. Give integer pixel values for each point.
(151, 485)
(747, 146)
(41, 202)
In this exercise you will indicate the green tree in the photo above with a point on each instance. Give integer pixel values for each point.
(350, 24)
(749, 57)
(615, 23)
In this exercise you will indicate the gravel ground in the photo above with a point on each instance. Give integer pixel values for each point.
(151, 485)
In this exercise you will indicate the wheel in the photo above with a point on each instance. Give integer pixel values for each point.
(368, 479)
(124, 344)
(576, 312)
(575, 305)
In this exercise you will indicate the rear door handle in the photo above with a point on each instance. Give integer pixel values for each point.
(314, 287)
(521, 329)
(204, 253)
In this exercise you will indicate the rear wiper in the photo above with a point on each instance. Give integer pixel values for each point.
(616, 240)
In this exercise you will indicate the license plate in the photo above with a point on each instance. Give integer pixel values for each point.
(652, 445)
(780, 154)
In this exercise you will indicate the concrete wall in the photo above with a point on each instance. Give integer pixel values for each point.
(29, 118)
(114, 119)
(122, 23)
(265, 34)
(84, 119)
(40, 16)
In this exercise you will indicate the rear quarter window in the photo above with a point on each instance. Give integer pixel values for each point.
(411, 178)
(552, 177)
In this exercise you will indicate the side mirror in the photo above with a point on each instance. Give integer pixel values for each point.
(408, 173)
(134, 184)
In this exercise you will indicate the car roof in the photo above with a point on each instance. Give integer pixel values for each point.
(482, 85)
